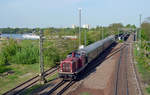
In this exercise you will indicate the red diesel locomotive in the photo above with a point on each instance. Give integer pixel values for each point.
(77, 60)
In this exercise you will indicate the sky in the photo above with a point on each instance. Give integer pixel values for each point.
(64, 13)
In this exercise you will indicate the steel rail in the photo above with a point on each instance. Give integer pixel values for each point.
(127, 90)
(123, 52)
(55, 87)
(34, 79)
(117, 74)
(66, 87)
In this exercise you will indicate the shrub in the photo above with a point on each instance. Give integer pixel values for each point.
(9, 50)
(51, 56)
(27, 55)
(4, 69)
(148, 89)
(24, 53)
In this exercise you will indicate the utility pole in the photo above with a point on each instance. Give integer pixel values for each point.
(42, 78)
(139, 35)
(124, 35)
(79, 27)
(140, 31)
(85, 36)
(140, 19)
(136, 34)
(102, 33)
(74, 39)
(118, 33)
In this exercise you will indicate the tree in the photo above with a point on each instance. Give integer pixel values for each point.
(114, 27)
(130, 26)
(146, 31)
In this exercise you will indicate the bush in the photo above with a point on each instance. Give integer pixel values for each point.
(27, 55)
(24, 53)
(143, 68)
(148, 89)
(51, 56)
(120, 41)
(4, 69)
(9, 50)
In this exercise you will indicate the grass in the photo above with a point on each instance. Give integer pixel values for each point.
(54, 76)
(85, 93)
(29, 91)
(143, 68)
(37, 86)
(148, 89)
(121, 41)
(21, 74)
(4, 69)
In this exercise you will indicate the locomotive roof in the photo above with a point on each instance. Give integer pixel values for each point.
(97, 44)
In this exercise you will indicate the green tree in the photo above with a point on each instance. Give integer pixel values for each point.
(8, 50)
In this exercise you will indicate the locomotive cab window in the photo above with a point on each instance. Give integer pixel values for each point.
(77, 55)
(69, 55)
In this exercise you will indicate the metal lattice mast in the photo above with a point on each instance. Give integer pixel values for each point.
(140, 31)
(85, 37)
(79, 26)
(102, 32)
(42, 79)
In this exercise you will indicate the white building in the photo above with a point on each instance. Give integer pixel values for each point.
(86, 26)
(73, 26)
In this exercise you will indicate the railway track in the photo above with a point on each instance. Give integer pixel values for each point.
(66, 87)
(115, 51)
(126, 73)
(121, 78)
(60, 87)
(20, 88)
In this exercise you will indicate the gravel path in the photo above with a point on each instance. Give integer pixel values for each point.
(100, 78)
(134, 87)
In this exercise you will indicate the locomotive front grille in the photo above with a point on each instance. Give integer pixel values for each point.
(66, 67)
